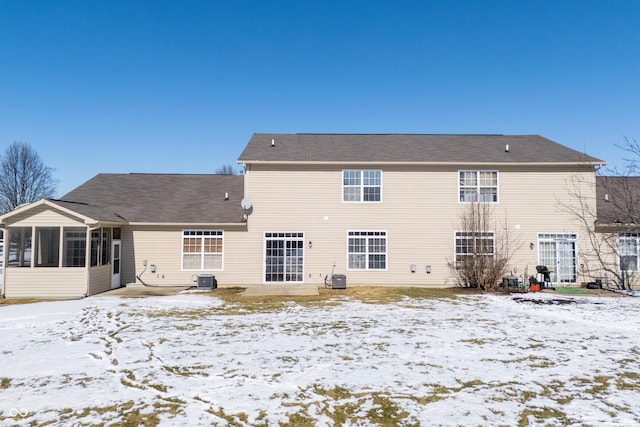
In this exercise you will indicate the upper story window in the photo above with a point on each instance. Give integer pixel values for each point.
(361, 185)
(478, 186)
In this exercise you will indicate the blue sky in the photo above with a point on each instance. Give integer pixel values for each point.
(180, 86)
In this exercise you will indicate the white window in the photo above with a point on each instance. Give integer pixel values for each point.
(202, 249)
(628, 251)
(471, 245)
(478, 186)
(361, 185)
(367, 250)
(283, 257)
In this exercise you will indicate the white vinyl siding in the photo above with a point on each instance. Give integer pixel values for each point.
(202, 250)
(478, 186)
(361, 185)
(367, 250)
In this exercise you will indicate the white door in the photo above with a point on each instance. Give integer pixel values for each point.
(284, 258)
(115, 264)
(558, 253)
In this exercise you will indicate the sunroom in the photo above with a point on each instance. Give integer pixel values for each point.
(52, 250)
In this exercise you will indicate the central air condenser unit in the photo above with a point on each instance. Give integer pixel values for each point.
(207, 282)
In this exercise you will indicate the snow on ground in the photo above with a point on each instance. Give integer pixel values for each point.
(476, 360)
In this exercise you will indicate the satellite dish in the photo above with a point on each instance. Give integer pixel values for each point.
(247, 207)
(246, 203)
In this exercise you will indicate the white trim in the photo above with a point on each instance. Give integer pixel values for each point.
(299, 237)
(361, 186)
(201, 253)
(386, 250)
(558, 238)
(455, 241)
(478, 186)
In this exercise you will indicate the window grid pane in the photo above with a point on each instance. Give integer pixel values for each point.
(367, 250)
(361, 185)
(75, 247)
(202, 249)
(479, 186)
(628, 247)
(284, 257)
(473, 244)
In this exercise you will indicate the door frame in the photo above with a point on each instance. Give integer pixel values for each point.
(116, 263)
(559, 273)
(292, 258)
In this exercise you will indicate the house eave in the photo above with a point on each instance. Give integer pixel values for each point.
(417, 163)
(187, 224)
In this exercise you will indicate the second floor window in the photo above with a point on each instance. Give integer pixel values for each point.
(361, 185)
(478, 186)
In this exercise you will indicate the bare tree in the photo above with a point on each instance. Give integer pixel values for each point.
(24, 178)
(610, 221)
(226, 170)
(484, 248)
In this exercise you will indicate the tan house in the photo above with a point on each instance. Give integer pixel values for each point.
(380, 209)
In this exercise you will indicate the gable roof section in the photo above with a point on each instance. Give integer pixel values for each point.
(618, 202)
(159, 198)
(406, 148)
(86, 214)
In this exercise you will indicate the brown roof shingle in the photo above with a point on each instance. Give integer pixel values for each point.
(159, 198)
(383, 148)
(618, 201)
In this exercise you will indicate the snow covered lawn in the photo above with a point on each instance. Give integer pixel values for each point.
(184, 360)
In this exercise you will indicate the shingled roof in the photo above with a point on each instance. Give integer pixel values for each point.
(159, 198)
(405, 148)
(618, 202)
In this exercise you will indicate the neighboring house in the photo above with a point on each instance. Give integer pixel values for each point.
(381, 209)
(618, 229)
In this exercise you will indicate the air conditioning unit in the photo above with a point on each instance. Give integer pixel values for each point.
(339, 281)
(207, 282)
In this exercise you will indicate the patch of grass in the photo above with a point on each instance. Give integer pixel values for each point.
(236, 304)
(124, 414)
(572, 291)
(543, 414)
(187, 371)
(237, 420)
(17, 301)
(628, 381)
(5, 383)
(386, 412)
